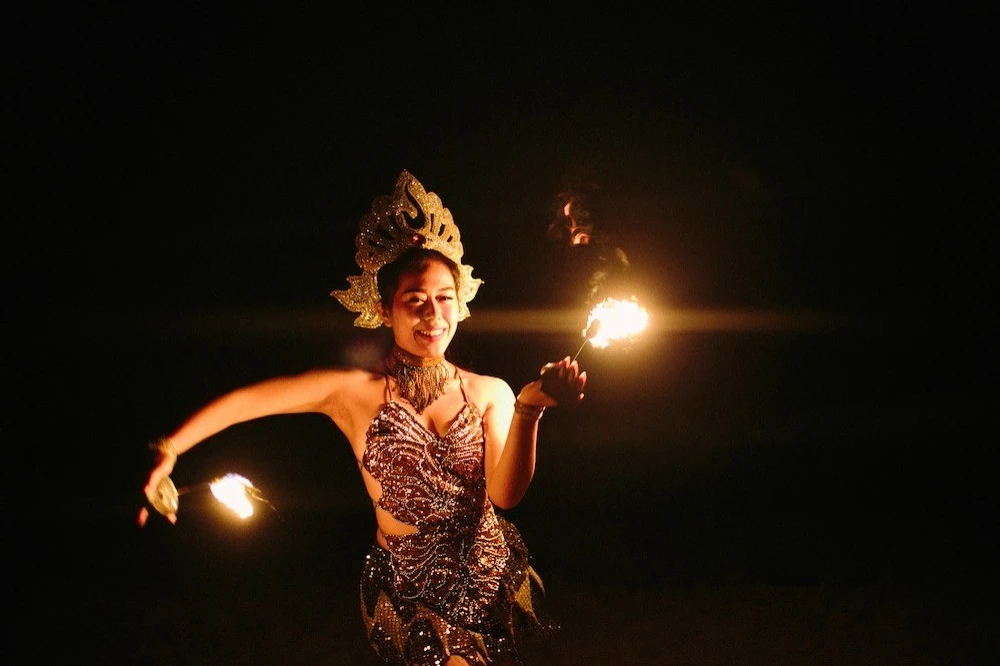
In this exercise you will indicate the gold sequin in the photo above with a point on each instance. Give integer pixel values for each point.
(460, 585)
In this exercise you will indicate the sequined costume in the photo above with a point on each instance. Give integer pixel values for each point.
(462, 584)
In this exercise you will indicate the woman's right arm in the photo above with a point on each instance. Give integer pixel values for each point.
(312, 391)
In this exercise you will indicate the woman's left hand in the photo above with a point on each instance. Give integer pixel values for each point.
(559, 383)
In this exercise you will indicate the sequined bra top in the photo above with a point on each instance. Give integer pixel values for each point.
(454, 561)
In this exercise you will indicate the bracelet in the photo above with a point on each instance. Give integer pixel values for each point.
(165, 447)
(533, 412)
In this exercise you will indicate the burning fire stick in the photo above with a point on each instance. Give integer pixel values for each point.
(232, 490)
(613, 319)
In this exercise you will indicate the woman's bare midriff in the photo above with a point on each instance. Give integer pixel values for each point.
(389, 524)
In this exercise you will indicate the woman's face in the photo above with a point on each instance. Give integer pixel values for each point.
(424, 310)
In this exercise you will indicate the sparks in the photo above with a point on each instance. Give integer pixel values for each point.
(614, 319)
(233, 491)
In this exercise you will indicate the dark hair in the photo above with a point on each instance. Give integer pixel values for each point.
(412, 260)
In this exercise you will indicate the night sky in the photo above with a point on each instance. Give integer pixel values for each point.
(187, 186)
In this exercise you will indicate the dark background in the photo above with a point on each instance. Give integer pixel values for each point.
(801, 197)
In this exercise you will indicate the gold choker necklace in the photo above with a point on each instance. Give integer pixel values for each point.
(420, 381)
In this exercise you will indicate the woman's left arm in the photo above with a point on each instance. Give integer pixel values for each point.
(512, 428)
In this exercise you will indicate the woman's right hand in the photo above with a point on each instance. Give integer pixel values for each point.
(164, 459)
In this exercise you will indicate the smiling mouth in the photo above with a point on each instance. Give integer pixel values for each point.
(433, 333)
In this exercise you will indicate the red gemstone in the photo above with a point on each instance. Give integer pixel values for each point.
(417, 239)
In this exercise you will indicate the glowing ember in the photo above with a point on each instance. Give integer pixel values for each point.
(613, 319)
(231, 490)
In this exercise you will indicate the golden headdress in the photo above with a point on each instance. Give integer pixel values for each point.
(409, 217)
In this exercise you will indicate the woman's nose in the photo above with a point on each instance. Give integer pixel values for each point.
(430, 309)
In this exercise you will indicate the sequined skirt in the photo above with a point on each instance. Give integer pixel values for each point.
(406, 632)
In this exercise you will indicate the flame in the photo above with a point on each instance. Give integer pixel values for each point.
(614, 319)
(231, 490)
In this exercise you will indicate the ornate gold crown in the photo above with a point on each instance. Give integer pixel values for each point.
(409, 217)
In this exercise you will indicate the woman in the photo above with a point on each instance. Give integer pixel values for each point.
(447, 580)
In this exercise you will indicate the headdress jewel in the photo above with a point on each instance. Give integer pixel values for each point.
(409, 217)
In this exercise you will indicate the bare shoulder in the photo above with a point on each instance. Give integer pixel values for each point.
(340, 381)
(349, 396)
(340, 375)
(485, 390)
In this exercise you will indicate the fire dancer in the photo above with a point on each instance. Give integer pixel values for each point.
(447, 580)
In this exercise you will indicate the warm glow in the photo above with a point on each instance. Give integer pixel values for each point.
(231, 490)
(613, 319)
